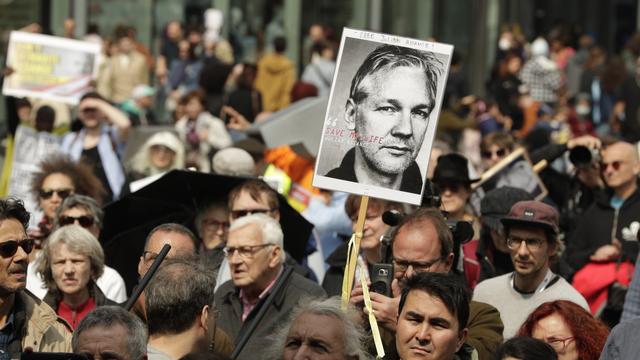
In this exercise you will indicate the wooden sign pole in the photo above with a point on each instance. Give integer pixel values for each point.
(352, 256)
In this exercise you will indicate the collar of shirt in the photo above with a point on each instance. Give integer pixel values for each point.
(248, 304)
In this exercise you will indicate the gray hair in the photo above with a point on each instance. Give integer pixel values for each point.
(83, 201)
(269, 227)
(354, 336)
(176, 295)
(108, 316)
(78, 240)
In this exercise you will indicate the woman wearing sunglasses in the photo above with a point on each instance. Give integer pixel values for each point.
(58, 178)
(72, 261)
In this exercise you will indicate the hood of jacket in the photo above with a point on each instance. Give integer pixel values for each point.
(275, 63)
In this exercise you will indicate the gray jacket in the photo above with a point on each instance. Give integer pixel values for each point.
(230, 312)
(623, 342)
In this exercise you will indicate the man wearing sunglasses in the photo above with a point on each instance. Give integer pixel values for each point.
(255, 254)
(25, 322)
(607, 230)
(423, 243)
(531, 229)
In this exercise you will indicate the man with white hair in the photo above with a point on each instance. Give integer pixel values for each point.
(540, 74)
(255, 254)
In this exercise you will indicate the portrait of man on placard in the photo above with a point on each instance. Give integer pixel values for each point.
(375, 137)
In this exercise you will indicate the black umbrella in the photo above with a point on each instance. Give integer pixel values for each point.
(176, 197)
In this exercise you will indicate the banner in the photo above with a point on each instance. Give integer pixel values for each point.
(50, 67)
(382, 115)
(29, 149)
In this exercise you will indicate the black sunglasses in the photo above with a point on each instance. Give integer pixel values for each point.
(62, 193)
(488, 154)
(9, 248)
(85, 220)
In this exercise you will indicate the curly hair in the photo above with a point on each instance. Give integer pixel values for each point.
(84, 181)
(590, 334)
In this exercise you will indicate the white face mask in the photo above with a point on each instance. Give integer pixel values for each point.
(583, 110)
(504, 44)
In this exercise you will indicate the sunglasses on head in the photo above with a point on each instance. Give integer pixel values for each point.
(614, 164)
(489, 154)
(85, 220)
(9, 248)
(62, 193)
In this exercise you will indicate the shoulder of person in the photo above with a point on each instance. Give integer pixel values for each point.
(306, 286)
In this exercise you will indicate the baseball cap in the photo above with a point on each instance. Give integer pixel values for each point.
(142, 91)
(497, 203)
(532, 213)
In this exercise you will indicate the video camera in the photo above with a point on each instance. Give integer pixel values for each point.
(382, 273)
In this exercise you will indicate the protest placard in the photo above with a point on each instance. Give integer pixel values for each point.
(514, 170)
(382, 115)
(29, 148)
(50, 67)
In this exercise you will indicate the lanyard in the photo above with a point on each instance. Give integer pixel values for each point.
(543, 285)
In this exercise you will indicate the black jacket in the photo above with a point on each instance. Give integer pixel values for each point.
(228, 302)
(600, 225)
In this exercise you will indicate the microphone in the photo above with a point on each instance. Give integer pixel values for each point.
(392, 217)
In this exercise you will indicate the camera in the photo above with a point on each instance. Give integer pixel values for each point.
(583, 156)
(381, 278)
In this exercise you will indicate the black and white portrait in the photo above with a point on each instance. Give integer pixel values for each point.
(382, 116)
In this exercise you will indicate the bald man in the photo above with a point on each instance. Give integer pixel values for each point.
(608, 229)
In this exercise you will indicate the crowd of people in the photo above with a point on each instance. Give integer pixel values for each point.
(542, 172)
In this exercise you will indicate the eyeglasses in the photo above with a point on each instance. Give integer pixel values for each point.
(212, 223)
(559, 345)
(85, 220)
(614, 164)
(514, 243)
(235, 214)
(489, 154)
(417, 266)
(62, 193)
(89, 110)
(9, 248)
(245, 252)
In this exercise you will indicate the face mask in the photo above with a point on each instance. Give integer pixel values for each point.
(504, 44)
(583, 110)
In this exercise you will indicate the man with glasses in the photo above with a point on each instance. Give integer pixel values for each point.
(531, 228)
(25, 322)
(424, 243)
(255, 255)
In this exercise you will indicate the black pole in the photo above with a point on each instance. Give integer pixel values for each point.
(263, 310)
(147, 277)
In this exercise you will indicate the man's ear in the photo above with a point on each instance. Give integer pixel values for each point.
(276, 257)
(141, 267)
(462, 338)
(350, 114)
(204, 318)
(448, 262)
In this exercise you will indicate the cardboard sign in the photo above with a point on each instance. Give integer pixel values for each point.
(50, 67)
(382, 116)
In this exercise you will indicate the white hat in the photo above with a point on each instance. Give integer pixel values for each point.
(539, 47)
(233, 161)
(142, 91)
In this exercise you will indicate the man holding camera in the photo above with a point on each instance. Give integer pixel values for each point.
(424, 243)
